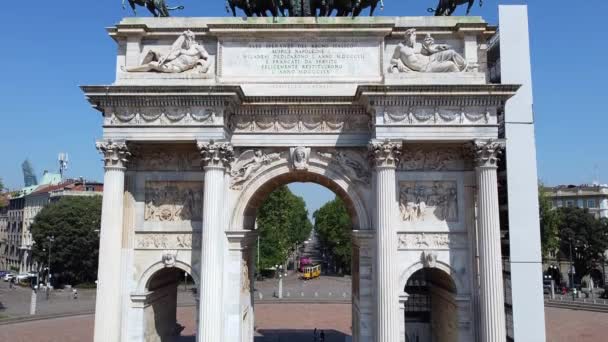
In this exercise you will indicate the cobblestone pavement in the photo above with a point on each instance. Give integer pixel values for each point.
(16, 302)
(295, 323)
(325, 287)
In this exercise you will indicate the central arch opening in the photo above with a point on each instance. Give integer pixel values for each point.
(304, 267)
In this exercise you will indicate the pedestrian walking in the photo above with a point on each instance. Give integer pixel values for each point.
(314, 334)
(75, 294)
(322, 336)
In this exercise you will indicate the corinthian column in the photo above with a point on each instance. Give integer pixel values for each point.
(216, 158)
(493, 327)
(385, 157)
(109, 292)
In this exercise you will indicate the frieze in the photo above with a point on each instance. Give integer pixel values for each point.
(165, 158)
(439, 115)
(167, 241)
(311, 120)
(435, 158)
(421, 201)
(161, 116)
(173, 201)
(352, 163)
(423, 241)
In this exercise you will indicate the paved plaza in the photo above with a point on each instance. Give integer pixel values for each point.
(295, 323)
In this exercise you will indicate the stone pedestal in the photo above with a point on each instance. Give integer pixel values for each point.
(108, 311)
(385, 157)
(493, 325)
(215, 158)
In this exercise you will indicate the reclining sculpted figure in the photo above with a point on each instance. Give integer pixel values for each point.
(185, 54)
(430, 57)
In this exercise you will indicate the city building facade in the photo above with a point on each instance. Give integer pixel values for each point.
(4, 235)
(16, 219)
(592, 197)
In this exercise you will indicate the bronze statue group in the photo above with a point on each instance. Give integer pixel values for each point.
(299, 8)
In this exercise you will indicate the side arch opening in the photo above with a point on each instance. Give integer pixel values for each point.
(165, 288)
(430, 308)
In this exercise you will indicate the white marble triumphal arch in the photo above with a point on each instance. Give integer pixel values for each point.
(402, 117)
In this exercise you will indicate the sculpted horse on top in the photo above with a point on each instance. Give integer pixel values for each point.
(158, 8)
(448, 7)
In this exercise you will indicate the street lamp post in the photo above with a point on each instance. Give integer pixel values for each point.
(51, 239)
(279, 268)
(572, 273)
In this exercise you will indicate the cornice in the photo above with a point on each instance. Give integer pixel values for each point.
(102, 97)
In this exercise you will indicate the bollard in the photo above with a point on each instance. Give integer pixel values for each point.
(33, 303)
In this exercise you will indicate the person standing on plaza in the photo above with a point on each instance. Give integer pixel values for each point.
(322, 336)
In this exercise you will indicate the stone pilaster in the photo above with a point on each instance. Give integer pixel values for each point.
(109, 299)
(385, 157)
(216, 158)
(493, 327)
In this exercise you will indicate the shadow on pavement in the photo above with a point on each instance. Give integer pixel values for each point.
(298, 336)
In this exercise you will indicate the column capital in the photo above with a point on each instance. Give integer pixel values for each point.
(487, 152)
(216, 154)
(385, 154)
(115, 153)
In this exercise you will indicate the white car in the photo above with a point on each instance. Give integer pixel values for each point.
(8, 277)
(23, 276)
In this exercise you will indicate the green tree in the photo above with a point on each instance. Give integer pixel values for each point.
(550, 223)
(334, 226)
(3, 196)
(587, 236)
(74, 222)
(282, 223)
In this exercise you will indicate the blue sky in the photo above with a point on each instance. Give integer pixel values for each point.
(51, 48)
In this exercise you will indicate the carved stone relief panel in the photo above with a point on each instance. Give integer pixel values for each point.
(435, 158)
(173, 201)
(422, 241)
(165, 158)
(300, 120)
(428, 201)
(249, 162)
(352, 163)
(168, 241)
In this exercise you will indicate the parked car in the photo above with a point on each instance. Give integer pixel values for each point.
(3, 273)
(24, 276)
(547, 286)
(8, 277)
